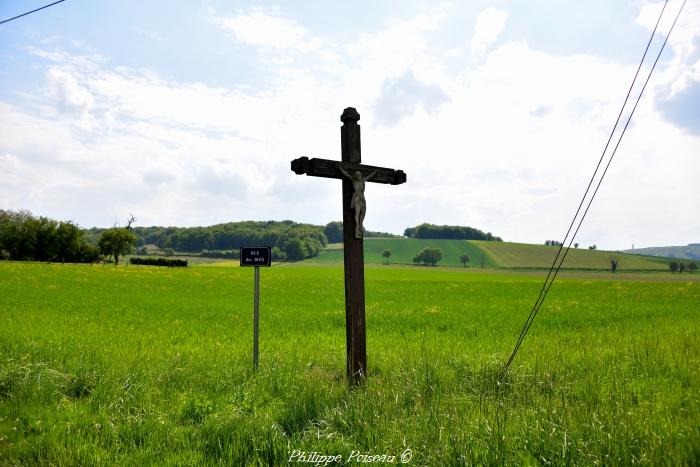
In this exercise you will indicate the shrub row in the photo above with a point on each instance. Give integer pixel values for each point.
(171, 263)
(227, 254)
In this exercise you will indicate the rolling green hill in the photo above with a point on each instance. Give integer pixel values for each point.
(523, 255)
(691, 251)
(404, 249)
(495, 255)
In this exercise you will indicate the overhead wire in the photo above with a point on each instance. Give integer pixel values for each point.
(585, 194)
(30, 12)
(557, 263)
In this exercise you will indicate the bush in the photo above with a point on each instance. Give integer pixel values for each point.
(168, 262)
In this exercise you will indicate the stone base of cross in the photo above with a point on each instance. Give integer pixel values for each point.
(354, 175)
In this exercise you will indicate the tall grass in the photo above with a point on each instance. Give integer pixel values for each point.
(104, 365)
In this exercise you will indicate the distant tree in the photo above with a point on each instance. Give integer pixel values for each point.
(613, 264)
(464, 259)
(482, 261)
(116, 242)
(429, 256)
(692, 267)
(278, 254)
(547, 243)
(371, 233)
(300, 242)
(593, 247)
(334, 232)
(89, 253)
(437, 256)
(168, 252)
(416, 259)
(142, 251)
(575, 245)
(681, 267)
(295, 249)
(673, 266)
(386, 254)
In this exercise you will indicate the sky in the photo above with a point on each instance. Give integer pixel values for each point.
(188, 113)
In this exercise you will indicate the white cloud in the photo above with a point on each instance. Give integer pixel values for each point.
(271, 31)
(400, 97)
(505, 145)
(489, 25)
(69, 95)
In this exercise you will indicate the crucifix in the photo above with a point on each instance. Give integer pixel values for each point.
(354, 176)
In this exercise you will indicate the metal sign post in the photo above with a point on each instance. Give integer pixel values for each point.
(256, 314)
(256, 256)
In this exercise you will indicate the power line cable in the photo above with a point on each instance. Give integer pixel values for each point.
(607, 166)
(548, 283)
(545, 287)
(583, 198)
(30, 12)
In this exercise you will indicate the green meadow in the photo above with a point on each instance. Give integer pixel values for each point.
(496, 255)
(404, 249)
(104, 365)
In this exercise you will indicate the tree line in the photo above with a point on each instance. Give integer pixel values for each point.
(290, 240)
(334, 232)
(680, 267)
(449, 232)
(24, 237)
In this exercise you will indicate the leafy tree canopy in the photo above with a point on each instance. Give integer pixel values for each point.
(116, 242)
(24, 237)
(429, 256)
(448, 232)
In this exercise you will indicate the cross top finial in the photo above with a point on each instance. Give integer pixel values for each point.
(350, 114)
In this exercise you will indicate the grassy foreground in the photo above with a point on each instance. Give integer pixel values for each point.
(139, 366)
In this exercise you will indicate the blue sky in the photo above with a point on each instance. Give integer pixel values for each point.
(188, 113)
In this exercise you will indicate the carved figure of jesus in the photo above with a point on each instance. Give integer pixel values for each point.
(358, 202)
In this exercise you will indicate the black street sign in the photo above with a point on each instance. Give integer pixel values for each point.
(256, 256)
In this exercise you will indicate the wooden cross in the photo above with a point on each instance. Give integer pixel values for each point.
(353, 175)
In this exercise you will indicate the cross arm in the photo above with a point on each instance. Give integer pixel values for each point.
(329, 169)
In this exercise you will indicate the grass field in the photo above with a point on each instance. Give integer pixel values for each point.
(148, 366)
(404, 249)
(523, 255)
(495, 254)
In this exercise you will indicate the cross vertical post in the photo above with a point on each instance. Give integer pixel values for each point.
(354, 175)
(353, 257)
